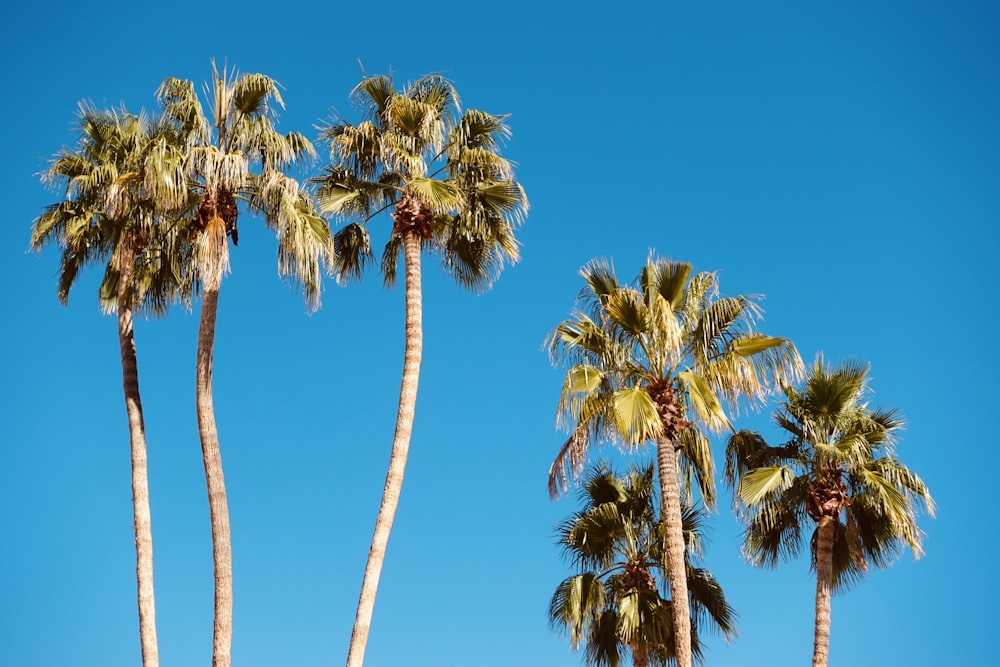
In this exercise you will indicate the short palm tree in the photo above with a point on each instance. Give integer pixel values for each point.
(838, 470)
(438, 169)
(239, 157)
(649, 362)
(616, 603)
(120, 183)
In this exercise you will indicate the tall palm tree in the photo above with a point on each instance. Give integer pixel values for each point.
(838, 468)
(235, 155)
(615, 604)
(120, 183)
(439, 171)
(649, 362)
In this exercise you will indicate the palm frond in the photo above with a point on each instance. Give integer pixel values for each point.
(665, 278)
(773, 528)
(760, 483)
(704, 401)
(568, 463)
(636, 417)
(696, 467)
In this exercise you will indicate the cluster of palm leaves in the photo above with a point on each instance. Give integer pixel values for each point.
(158, 199)
(660, 359)
(615, 604)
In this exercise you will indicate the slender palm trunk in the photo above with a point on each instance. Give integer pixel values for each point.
(673, 548)
(400, 447)
(142, 522)
(824, 580)
(639, 658)
(222, 551)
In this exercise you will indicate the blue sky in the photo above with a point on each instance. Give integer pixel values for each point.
(842, 159)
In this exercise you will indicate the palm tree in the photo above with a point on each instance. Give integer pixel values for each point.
(838, 469)
(120, 182)
(439, 170)
(614, 604)
(643, 358)
(220, 160)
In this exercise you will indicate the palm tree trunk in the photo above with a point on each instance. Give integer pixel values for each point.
(400, 447)
(222, 551)
(673, 548)
(141, 516)
(824, 580)
(639, 658)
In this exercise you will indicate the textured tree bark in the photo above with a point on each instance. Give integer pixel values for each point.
(222, 551)
(824, 581)
(141, 516)
(673, 547)
(639, 659)
(400, 447)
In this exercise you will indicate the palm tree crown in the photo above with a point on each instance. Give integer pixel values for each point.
(124, 198)
(645, 359)
(617, 602)
(437, 167)
(236, 154)
(839, 462)
(838, 469)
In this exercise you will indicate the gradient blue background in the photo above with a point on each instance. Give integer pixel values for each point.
(841, 158)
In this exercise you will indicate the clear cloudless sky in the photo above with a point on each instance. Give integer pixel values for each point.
(841, 158)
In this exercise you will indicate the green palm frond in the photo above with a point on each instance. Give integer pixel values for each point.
(721, 322)
(704, 401)
(773, 529)
(582, 379)
(696, 467)
(614, 604)
(709, 603)
(760, 483)
(390, 260)
(305, 245)
(636, 418)
(573, 605)
(600, 281)
(440, 195)
(353, 252)
(252, 93)
(667, 279)
(372, 94)
(627, 310)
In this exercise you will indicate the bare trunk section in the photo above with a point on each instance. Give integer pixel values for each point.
(639, 659)
(141, 515)
(222, 551)
(673, 548)
(824, 581)
(400, 447)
